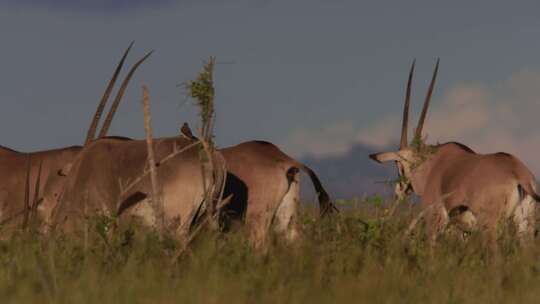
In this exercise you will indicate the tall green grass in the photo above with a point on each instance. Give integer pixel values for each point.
(359, 256)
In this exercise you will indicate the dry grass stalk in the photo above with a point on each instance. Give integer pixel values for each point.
(36, 201)
(415, 221)
(30, 209)
(202, 90)
(206, 210)
(85, 210)
(47, 273)
(27, 193)
(155, 195)
(207, 164)
(205, 221)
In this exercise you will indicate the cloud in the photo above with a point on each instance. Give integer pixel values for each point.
(382, 134)
(487, 118)
(330, 140)
(88, 5)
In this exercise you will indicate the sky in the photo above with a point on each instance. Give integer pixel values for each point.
(315, 77)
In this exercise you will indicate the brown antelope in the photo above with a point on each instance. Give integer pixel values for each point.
(111, 177)
(15, 164)
(265, 184)
(477, 190)
(262, 181)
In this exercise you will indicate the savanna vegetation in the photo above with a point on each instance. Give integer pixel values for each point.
(359, 256)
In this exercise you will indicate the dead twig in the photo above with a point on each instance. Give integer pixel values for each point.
(47, 272)
(26, 209)
(209, 210)
(192, 235)
(85, 216)
(36, 201)
(155, 194)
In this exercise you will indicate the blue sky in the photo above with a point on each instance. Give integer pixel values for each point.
(313, 76)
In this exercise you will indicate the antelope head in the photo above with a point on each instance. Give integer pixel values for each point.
(412, 158)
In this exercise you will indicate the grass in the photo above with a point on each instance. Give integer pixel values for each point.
(357, 257)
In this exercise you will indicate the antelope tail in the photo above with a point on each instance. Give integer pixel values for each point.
(530, 189)
(526, 182)
(325, 204)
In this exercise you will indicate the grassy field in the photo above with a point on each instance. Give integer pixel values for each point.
(356, 257)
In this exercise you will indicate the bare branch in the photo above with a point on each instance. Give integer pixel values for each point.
(27, 193)
(155, 195)
(36, 201)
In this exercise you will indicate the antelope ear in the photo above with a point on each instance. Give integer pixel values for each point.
(384, 157)
(65, 170)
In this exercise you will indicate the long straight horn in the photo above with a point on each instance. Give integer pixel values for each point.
(119, 95)
(95, 120)
(404, 125)
(418, 133)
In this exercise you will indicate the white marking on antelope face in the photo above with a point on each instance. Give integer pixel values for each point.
(403, 185)
(404, 160)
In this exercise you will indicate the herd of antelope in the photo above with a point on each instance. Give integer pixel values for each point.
(253, 182)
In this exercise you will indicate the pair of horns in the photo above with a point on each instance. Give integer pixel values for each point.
(101, 106)
(404, 126)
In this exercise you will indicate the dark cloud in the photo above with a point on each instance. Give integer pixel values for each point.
(89, 5)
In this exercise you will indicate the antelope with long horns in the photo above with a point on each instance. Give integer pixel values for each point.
(477, 190)
(265, 187)
(16, 167)
(110, 176)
